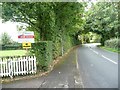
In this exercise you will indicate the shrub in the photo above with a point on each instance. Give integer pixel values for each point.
(46, 51)
(113, 43)
(12, 46)
(43, 53)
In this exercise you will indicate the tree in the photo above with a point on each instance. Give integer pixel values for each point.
(45, 17)
(51, 21)
(5, 38)
(102, 19)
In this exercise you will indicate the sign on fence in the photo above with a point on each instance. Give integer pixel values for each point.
(17, 66)
(26, 36)
(26, 45)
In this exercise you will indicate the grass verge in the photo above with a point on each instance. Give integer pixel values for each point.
(12, 53)
(110, 49)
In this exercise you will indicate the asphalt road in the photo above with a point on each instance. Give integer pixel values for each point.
(98, 68)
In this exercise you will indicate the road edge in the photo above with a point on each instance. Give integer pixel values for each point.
(77, 77)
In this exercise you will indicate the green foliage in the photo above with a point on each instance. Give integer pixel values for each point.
(43, 53)
(12, 47)
(89, 37)
(46, 17)
(5, 39)
(113, 43)
(51, 21)
(67, 43)
(102, 18)
(117, 50)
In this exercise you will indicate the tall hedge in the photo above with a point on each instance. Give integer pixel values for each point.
(46, 51)
(43, 53)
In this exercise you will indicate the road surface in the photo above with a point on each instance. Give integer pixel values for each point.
(98, 68)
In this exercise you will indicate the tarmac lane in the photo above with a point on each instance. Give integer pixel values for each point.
(98, 68)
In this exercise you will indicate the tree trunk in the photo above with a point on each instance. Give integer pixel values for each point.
(102, 39)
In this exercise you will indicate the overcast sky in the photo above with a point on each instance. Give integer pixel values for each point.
(10, 28)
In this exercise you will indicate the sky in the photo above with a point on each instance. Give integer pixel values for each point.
(10, 28)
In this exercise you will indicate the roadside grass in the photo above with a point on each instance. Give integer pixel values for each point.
(5, 53)
(111, 49)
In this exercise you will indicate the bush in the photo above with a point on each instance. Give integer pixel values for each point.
(52, 47)
(67, 42)
(12, 47)
(43, 53)
(113, 43)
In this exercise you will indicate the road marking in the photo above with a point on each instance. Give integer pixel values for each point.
(104, 57)
(109, 59)
(77, 61)
(77, 65)
(95, 52)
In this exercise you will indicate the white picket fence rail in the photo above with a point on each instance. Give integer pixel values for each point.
(17, 66)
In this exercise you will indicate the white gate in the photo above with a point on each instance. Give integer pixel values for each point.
(17, 66)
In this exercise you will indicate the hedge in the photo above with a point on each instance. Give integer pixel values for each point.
(12, 47)
(43, 53)
(46, 51)
(113, 43)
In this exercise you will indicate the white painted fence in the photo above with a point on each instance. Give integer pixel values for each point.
(17, 66)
